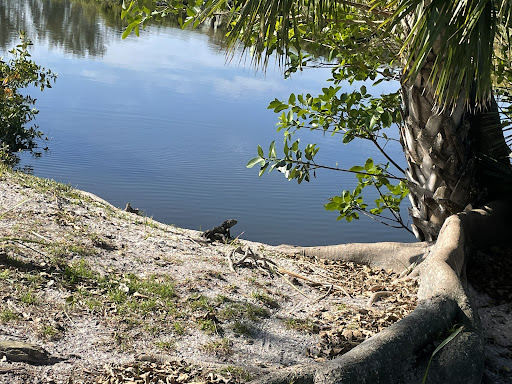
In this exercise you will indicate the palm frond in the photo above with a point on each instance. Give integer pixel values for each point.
(462, 35)
(279, 26)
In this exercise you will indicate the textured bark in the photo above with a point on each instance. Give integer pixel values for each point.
(397, 256)
(440, 173)
(442, 149)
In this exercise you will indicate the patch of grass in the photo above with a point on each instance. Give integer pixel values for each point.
(78, 271)
(162, 287)
(80, 250)
(63, 250)
(7, 314)
(33, 278)
(301, 325)
(208, 326)
(352, 325)
(28, 297)
(242, 310)
(254, 281)
(93, 304)
(243, 328)
(117, 296)
(152, 329)
(142, 296)
(178, 327)
(49, 332)
(144, 306)
(122, 341)
(223, 347)
(265, 299)
(168, 346)
(5, 274)
(221, 299)
(199, 303)
(241, 375)
(47, 185)
(149, 222)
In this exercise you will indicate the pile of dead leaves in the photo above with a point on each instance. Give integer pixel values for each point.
(171, 372)
(346, 327)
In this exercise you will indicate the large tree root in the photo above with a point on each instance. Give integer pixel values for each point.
(400, 353)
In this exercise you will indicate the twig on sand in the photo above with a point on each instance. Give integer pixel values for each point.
(326, 294)
(293, 285)
(259, 261)
(230, 262)
(377, 295)
(267, 265)
(313, 282)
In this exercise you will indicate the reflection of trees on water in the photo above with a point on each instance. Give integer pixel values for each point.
(77, 27)
(80, 27)
(216, 30)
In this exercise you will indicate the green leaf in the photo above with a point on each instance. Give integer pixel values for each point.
(386, 119)
(128, 29)
(254, 161)
(441, 346)
(274, 104)
(280, 108)
(262, 170)
(373, 121)
(260, 151)
(369, 164)
(272, 150)
(357, 168)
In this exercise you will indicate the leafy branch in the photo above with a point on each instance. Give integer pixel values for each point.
(16, 108)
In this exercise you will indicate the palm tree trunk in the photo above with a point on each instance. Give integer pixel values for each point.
(441, 149)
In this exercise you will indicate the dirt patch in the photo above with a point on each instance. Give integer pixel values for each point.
(116, 296)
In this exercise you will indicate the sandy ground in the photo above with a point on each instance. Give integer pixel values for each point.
(115, 297)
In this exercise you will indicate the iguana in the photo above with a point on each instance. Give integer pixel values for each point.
(221, 232)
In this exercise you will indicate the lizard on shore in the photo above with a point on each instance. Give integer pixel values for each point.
(221, 232)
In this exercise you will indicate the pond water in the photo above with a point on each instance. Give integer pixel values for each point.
(164, 122)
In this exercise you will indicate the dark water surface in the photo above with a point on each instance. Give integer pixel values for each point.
(163, 122)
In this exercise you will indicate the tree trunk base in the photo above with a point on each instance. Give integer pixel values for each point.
(401, 352)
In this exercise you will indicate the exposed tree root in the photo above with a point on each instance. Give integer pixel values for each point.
(400, 353)
(397, 256)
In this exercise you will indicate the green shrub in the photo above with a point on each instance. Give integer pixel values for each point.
(16, 109)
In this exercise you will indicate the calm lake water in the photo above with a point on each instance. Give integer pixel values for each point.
(163, 122)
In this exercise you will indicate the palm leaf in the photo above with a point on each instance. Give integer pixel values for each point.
(465, 32)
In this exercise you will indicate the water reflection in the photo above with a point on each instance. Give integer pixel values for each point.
(76, 28)
(82, 28)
